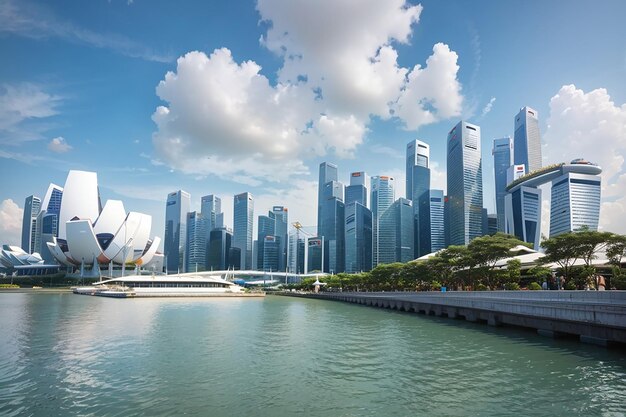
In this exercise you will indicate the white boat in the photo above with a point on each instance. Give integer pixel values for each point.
(184, 285)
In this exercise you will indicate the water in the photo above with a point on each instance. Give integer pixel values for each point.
(63, 354)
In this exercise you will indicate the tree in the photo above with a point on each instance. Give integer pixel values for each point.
(562, 250)
(446, 262)
(486, 251)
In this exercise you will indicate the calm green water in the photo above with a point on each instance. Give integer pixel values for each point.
(63, 354)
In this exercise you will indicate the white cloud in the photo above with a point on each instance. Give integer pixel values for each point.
(432, 93)
(23, 108)
(590, 125)
(226, 118)
(59, 145)
(37, 22)
(10, 223)
(488, 107)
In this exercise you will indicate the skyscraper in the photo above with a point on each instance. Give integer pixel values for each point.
(328, 172)
(526, 140)
(358, 229)
(502, 160)
(196, 242)
(522, 206)
(417, 190)
(220, 241)
(465, 183)
(280, 214)
(575, 203)
(397, 240)
(437, 224)
(382, 197)
(32, 205)
(358, 189)
(211, 209)
(174, 244)
(243, 222)
(297, 247)
(330, 217)
(266, 227)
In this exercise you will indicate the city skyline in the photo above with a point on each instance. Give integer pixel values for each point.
(51, 125)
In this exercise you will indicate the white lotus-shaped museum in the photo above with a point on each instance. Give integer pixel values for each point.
(89, 233)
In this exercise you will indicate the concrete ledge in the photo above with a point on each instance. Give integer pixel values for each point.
(597, 317)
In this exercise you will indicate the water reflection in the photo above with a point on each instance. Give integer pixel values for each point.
(67, 354)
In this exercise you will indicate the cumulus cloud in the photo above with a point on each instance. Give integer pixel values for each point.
(431, 93)
(590, 125)
(23, 107)
(226, 118)
(59, 145)
(10, 222)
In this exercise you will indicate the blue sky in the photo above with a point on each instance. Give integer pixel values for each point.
(275, 87)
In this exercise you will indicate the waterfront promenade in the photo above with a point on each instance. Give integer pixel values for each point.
(597, 317)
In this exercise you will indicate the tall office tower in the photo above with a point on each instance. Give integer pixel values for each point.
(32, 205)
(328, 173)
(280, 214)
(271, 253)
(314, 254)
(297, 248)
(332, 230)
(396, 243)
(266, 227)
(196, 242)
(522, 218)
(575, 203)
(514, 172)
(502, 159)
(485, 222)
(382, 197)
(358, 229)
(220, 241)
(47, 233)
(243, 222)
(437, 224)
(174, 245)
(446, 220)
(417, 188)
(526, 140)
(358, 189)
(492, 224)
(465, 183)
(211, 209)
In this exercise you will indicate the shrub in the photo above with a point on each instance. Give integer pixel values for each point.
(533, 286)
(435, 286)
(482, 287)
(9, 286)
(570, 286)
(512, 286)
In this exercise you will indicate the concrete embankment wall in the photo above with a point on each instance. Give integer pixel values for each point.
(597, 317)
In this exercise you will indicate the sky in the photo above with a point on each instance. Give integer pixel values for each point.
(229, 96)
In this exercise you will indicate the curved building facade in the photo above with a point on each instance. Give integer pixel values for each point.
(89, 234)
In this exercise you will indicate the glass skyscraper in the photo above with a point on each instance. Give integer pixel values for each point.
(328, 173)
(330, 218)
(243, 222)
(358, 189)
(523, 214)
(32, 206)
(266, 226)
(465, 183)
(396, 243)
(196, 242)
(174, 245)
(218, 256)
(502, 160)
(280, 214)
(575, 203)
(437, 224)
(358, 230)
(211, 209)
(526, 140)
(417, 190)
(382, 197)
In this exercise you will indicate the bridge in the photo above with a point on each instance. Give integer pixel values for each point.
(254, 277)
(546, 174)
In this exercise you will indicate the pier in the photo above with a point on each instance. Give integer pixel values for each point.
(597, 317)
